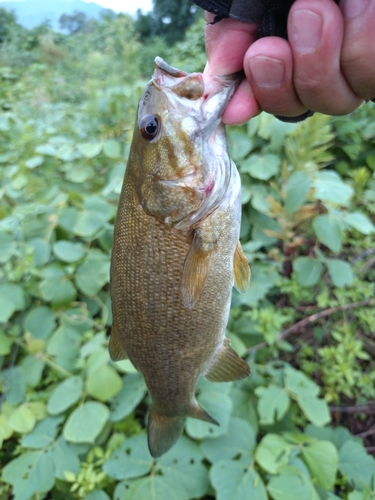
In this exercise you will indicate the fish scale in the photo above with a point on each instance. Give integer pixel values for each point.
(176, 253)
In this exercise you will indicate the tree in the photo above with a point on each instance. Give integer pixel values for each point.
(8, 24)
(169, 19)
(73, 23)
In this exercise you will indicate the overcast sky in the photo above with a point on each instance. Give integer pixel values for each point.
(129, 6)
(125, 5)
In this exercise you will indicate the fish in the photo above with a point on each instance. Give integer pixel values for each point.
(176, 251)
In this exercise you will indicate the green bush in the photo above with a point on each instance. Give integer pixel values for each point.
(72, 423)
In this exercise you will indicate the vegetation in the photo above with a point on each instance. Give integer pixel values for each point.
(72, 423)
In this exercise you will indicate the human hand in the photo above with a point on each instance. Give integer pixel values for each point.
(328, 64)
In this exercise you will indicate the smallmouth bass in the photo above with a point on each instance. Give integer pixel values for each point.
(176, 253)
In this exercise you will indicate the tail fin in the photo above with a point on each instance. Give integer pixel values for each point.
(163, 432)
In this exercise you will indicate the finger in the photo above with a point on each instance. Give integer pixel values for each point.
(226, 44)
(269, 68)
(358, 51)
(315, 31)
(242, 106)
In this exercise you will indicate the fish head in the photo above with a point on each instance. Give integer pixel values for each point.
(184, 166)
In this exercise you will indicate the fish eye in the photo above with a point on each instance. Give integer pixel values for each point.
(149, 127)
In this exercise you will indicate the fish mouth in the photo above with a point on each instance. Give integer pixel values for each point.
(159, 63)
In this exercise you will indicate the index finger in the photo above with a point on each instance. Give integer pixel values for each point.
(226, 44)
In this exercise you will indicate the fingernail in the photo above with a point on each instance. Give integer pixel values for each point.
(267, 72)
(352, 8)
(307, 30)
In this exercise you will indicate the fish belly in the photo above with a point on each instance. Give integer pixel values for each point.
(170, 344)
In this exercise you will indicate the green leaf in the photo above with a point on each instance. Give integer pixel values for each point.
(356, 464)
(7, 247)
(330, 187)
(65, 457)
(297, 383)
(272, 453)
(322, 460)
(132, 459)
(34, 161)
(88, 223)
(40, 322)
(219, 406)
(65, 395)
(240, 144)
(86, 422)
(5, 430)
(340, 271)
(97, 495)
(90, 149)
(235, 480)
(15, 294)
(153, 488)
(290, 485)
(180, 464)
(46, 149)
(68, 251)
(328, 232)
(5, 344)
(22, 420)
(93, 274)
(239, 440)
(59, 290)
(261, 166)
(308, 270)
(273, 403)
(104, 383)
(99, 206)
(296, 189)
(43, 433)
(14, 385)
(360, 222)
(32, 368)
(132, 392)
(315, 409)
(30, 473)
(64, 344)
(7, 308)
(41, 251)
(112, 148)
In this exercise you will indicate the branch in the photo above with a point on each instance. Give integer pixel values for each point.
(311, 319)
(368, 408)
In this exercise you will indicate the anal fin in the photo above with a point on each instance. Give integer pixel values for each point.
(195, 271)
(227, 365)
(241, 268)
(116, 349)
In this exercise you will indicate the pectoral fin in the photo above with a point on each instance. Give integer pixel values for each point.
(116, 350)
(195, 271)
(227, 365)
(241, 268)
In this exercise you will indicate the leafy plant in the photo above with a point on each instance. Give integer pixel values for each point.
(72, 423)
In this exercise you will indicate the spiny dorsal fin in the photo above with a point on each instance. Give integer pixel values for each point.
(227, 365)
(195, 271)
(116, 350)
(241, 268)
(163, 432)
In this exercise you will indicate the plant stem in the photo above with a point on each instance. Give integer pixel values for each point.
(311, 319)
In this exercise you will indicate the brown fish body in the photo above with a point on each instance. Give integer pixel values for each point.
(176, 254)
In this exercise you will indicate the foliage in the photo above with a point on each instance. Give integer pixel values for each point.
(169, 20)
(72, 423)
